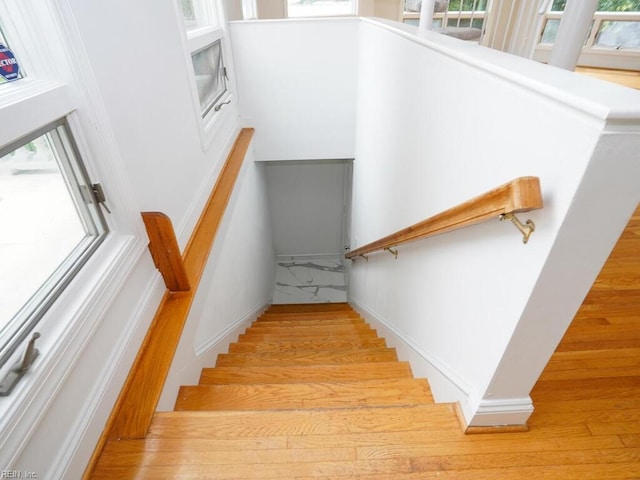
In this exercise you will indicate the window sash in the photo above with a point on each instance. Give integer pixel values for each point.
(210, 76)
(68, 161)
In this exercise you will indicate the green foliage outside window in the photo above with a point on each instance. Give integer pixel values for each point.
(603, 5)
(467, 5)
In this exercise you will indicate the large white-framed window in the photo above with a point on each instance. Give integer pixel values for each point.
(49, 208)
(613, 40)
(57, 156)
(207, 47)
(51, 225)
(320, 8)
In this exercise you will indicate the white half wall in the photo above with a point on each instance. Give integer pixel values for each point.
(440, 121)
(297, 86)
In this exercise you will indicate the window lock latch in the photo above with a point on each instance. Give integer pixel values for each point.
(98, 192)
(20, 368)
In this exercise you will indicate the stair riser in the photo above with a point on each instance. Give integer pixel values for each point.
(256, 347)
(283, 338)
(313, 358)
(303, 374)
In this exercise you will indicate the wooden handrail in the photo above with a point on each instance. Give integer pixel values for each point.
(519, 195)
(136, 405)
(165, 251)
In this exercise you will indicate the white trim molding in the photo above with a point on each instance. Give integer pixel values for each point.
(230, 334)
(499, 412)
(446, 386)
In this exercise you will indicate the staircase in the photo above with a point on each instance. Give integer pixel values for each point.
(308, 391)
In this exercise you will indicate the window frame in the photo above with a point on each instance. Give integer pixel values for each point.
(199, 35)
(353, 12)
(60, 84)
(72, 169)
(593, 55)
(444, 18)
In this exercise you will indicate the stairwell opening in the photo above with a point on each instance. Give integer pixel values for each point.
(310, 210)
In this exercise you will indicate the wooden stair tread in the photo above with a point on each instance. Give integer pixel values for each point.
(304, 395)
(277, 423)
(308, 329)
(305, 373)
(308, 322)
(332, 344)
(345, 316)
(285, 337)
(307, 357)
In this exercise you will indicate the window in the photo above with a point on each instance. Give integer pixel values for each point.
(451, 15)
(205, 42)
(51, 224)
(320, 8)
(613, 40)
(210, 75)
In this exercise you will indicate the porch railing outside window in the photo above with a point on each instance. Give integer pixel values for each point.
(460, 14)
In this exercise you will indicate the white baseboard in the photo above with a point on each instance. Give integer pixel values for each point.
(446, 386)
(230, 334)
(493, 413)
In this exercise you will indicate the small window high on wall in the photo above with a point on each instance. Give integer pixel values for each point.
(205, 42)
(320, 8)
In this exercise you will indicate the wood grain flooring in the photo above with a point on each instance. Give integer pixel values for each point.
(246, 424)
(628, 78)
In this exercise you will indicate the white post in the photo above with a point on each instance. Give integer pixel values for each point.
(426, 16)
(574, 27)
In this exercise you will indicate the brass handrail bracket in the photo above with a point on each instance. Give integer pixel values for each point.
(526, 228)
(392, 252)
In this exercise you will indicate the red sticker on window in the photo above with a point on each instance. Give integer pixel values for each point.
(9, 68)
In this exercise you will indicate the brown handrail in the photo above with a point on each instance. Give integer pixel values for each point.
(135, 407)
(165, 251)
(519, 195)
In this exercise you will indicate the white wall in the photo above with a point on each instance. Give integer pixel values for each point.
(306, 204)
(296, 86)
(144, 76)
(483, 309)
(236, 285)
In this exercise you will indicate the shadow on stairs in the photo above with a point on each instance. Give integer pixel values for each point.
(308, 391)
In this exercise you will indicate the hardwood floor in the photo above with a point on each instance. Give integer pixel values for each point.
(628, 78)
(290, 419)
